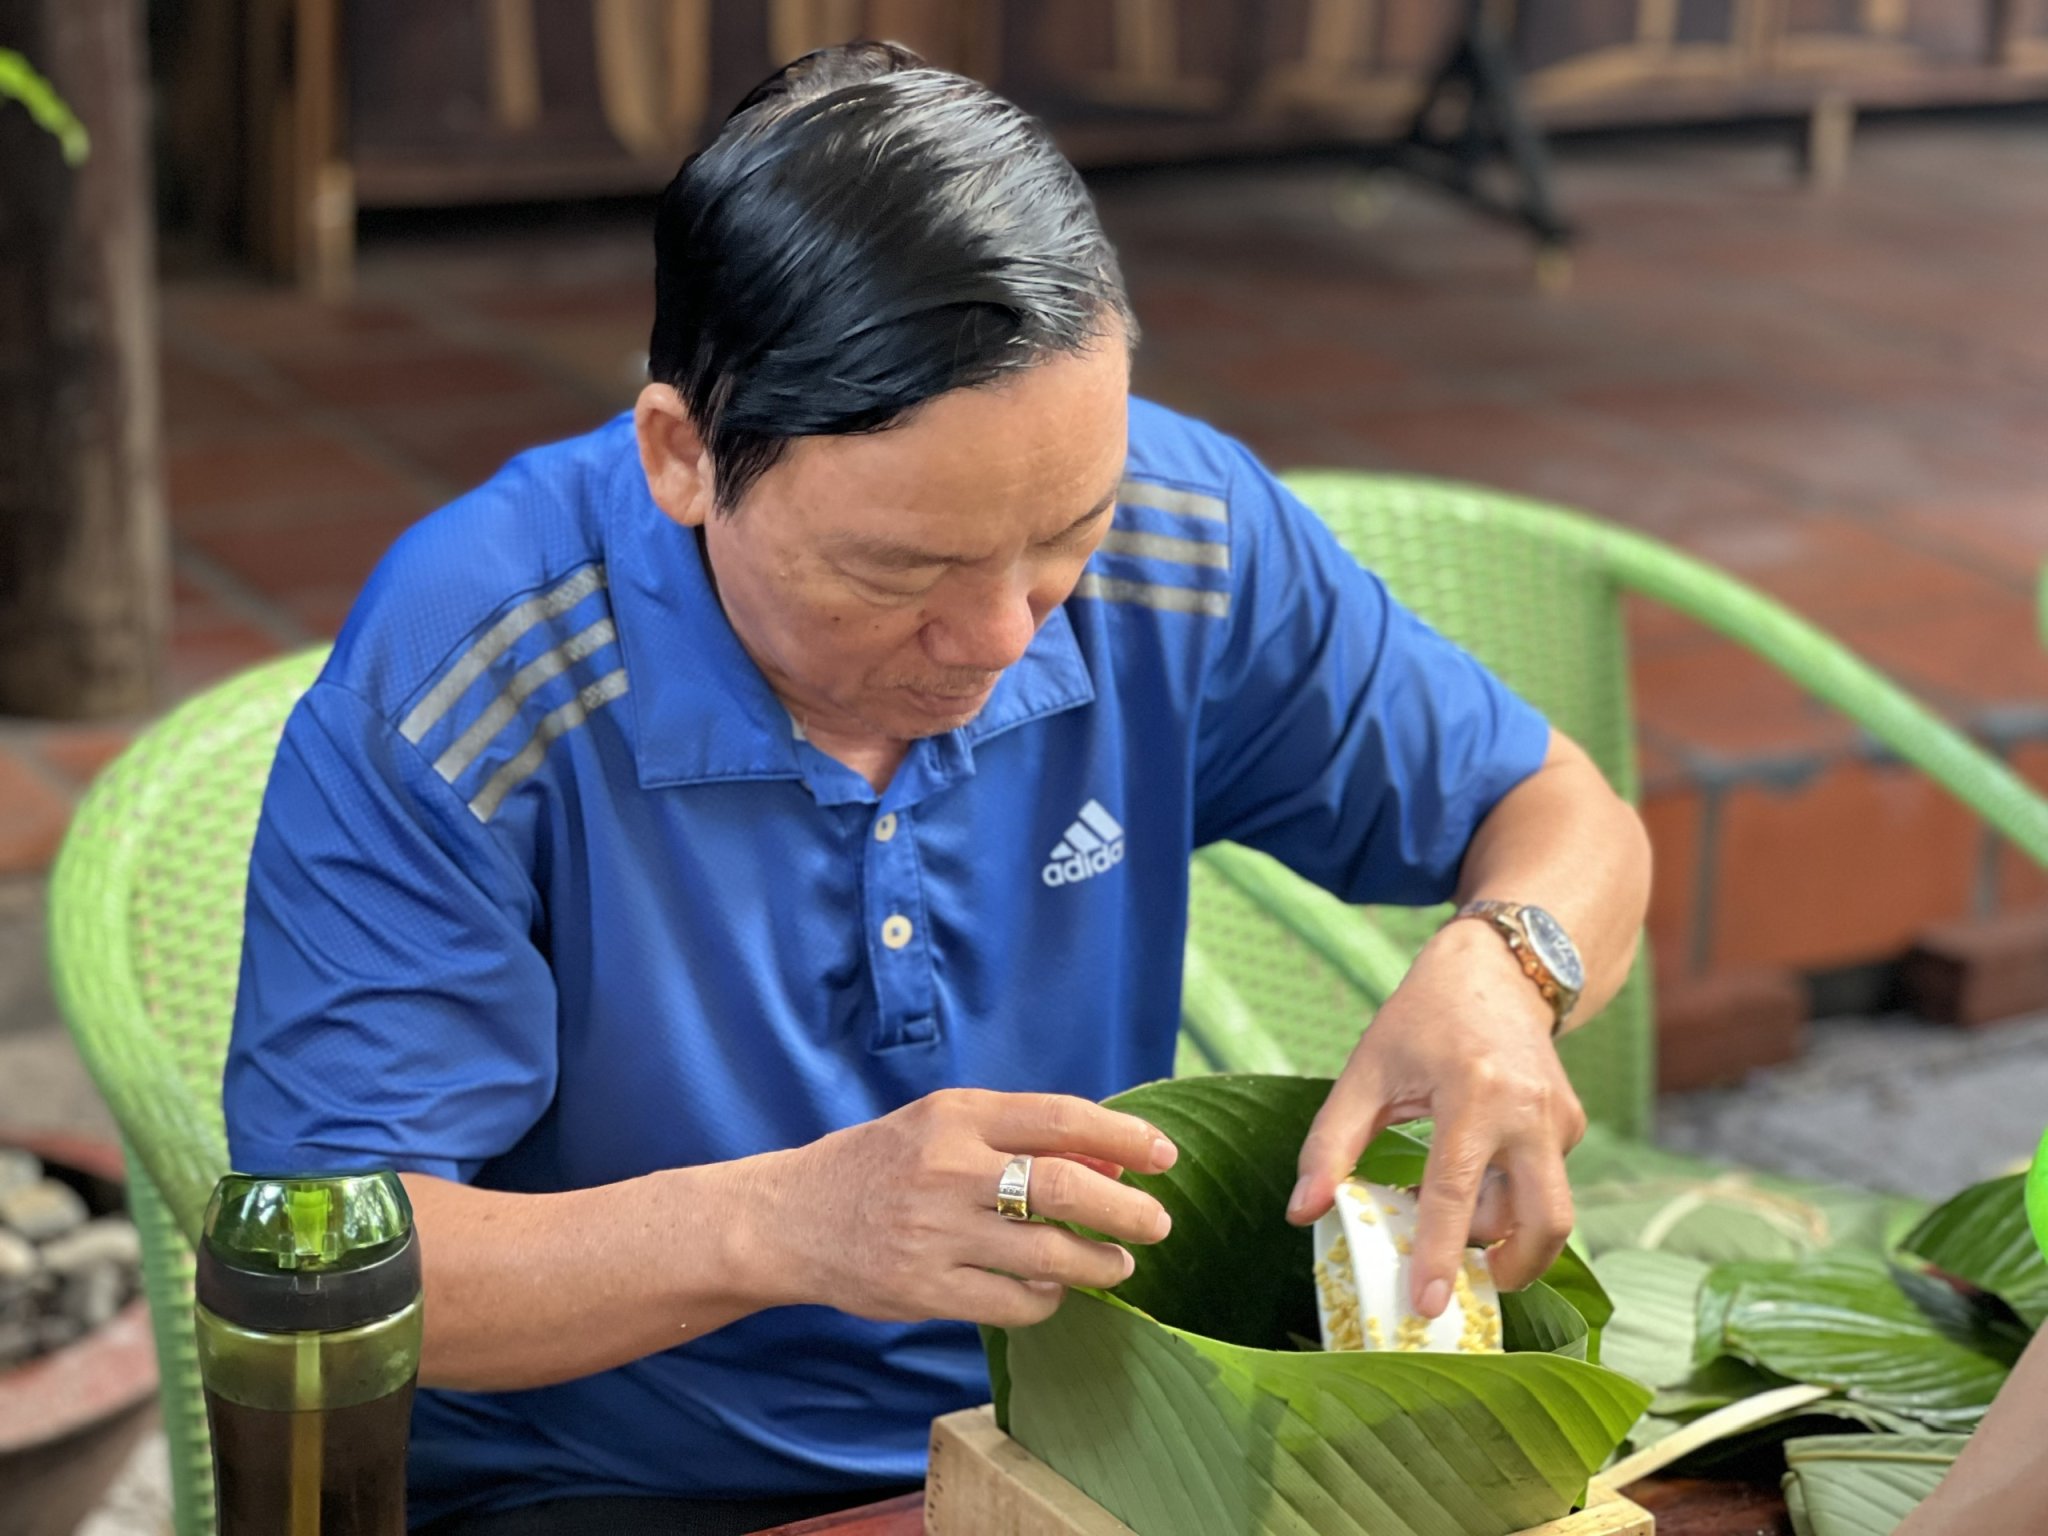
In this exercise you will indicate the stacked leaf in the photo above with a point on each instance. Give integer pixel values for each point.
(1182, 1405)
(1632, 1195)
(1909, 1335)
(1863, 1485)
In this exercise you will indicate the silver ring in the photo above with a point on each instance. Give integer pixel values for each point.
(1013, 1189)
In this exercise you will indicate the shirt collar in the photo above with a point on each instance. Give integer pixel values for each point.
(702, 710)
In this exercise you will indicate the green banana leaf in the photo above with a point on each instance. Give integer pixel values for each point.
(1862, 1485)
(1881, 1336)
(1178, 1404)
(1573, 1278)
(1713, 1385)
(1759, 1428)
(1178, 1435)
(1982, 1236)
(1631, 1195)
(1539, 1320)
(1656, 1299)
(1902, 1350)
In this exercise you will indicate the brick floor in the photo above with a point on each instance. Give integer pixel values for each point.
(1843, 399)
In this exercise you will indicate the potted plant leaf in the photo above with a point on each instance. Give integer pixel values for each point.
(19, 82)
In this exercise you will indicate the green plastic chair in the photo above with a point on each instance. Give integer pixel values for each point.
(145, 951)
(1282, 976)
(2037, 1197)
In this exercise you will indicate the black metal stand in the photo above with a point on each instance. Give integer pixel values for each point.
(1479, 76)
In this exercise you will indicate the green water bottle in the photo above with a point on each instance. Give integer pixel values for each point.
(308, 1310)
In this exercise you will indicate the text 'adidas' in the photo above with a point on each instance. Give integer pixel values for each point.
(1093, 843)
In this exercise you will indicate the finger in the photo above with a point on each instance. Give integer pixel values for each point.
(1458, 1156)
(1036, 1250)
(1355, 1112)
(976, 1296)
(1106, 1169)
(1493, 1217)
(1060, 1125)
(1064, 1190)
(1542, 1200)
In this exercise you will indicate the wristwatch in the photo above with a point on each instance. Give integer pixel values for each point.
(1542, 948)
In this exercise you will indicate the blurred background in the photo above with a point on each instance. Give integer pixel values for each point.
(1760, 278)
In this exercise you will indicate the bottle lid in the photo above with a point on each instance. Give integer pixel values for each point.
(307, 1253)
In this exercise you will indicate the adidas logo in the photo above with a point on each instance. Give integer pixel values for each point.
(1093, 843)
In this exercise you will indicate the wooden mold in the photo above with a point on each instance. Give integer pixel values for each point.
(983, 1483)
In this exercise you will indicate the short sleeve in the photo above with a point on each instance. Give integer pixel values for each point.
(1339, 732)
(394, 1008)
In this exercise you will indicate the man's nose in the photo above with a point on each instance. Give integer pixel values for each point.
(985, 629)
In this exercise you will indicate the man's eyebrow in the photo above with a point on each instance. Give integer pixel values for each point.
(1102, 505)
(890, 555)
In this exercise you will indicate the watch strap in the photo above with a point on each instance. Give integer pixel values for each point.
(1506, 919)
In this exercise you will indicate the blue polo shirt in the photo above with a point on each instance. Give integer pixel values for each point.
(548, 892)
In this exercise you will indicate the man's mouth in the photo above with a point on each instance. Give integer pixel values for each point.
(949, 700)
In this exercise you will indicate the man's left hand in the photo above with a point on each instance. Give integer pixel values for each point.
(1465, 1039)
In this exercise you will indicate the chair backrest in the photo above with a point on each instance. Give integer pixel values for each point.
(1536, 593)
(146, 935)
(1544, 613)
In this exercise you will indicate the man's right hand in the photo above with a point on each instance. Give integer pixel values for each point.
(896, 1219)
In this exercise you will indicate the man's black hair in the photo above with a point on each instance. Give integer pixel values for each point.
(865, 234)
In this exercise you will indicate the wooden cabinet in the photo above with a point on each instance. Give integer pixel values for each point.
(325, 106)
(493, 99)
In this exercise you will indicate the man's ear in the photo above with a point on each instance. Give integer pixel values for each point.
(673, 456)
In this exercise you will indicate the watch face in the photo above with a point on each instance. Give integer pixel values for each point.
(1553, 948)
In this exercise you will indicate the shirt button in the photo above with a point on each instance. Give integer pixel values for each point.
(896, 930)
(885, 826)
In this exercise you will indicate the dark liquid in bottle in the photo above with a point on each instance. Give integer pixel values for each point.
(326, 1472)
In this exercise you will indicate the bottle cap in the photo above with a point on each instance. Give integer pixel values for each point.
(307, 1253)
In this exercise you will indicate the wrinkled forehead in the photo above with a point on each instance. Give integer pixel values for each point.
(1022, 457)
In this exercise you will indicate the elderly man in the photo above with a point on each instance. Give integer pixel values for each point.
(723, 845)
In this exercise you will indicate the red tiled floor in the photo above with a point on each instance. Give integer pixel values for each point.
(1511, 446)
(1190, 306)
(1288, 370)
(1507, 342)
(1873, 373)
(33, 816)
(208, 647)
(203, 402)
(1833, 568)
(268, 320)
(79, 752)
(1819, 451)
(413, 378)
(1720, 700)
(289, 554)
(623, 302)
(277, 468)
(1987, 653)
(2005, 532)
(606, 362)
(322, 609)
(466, 444)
